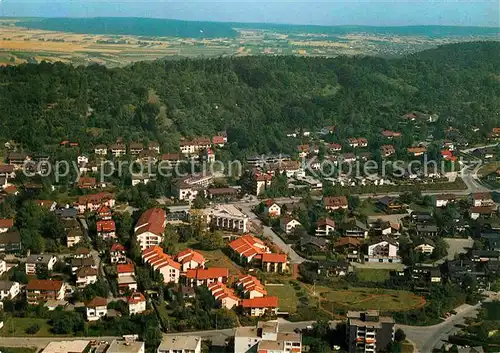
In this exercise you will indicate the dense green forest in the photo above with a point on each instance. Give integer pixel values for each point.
(154, 27)
(255, 99)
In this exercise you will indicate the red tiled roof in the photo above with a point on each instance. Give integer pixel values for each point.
(246, 246)
(335, 146)
(135, 298)
(207, 273)
(416, 150)
(104, 210)
(153, 220)
(481, 196)
(335, 201)
(251, 283)
(95, 198)
(263, 177)
(171, 156)
(106, 226)
(201, 141)
(218, 140)
(97, 301)
(125, 268)
(347, 241)
(155, 257)
(190, 255)
(86, 271)
(326, 222)
(82, 251)
(87, 182)
(269, 202)
(47, 204)
(6, 168)
(263, 302)
(6, 222)
(117, 247)
(221, 291)
(303, 148)
(275, 258)
(44, 284)
(10, 190)
(482, 209)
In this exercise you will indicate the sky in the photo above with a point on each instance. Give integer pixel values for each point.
(320, 12)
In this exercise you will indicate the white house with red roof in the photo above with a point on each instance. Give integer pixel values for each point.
(96, 308)
(163, 263)
(126, 277)
(92, 202)
(288, 224)
(6, 224)
(195, 145)
(190, 259)
(272, 209)
(150, 227)
(86, 276)
(275, 262)
(250, 287)
(106, 229)
(260, 306)
(480, 199)
(324, 227)
(104, 213)
(206, 276)
(118, 254)
(248, 248)
(136, 303)
(219, 140)
(224, 295)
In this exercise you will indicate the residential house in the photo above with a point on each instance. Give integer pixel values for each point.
(387, 150)
(171, 159)
(417, 151)
(3, 267)
(7, 171)
(86, 183)
(78, 262)
(274, 262)
(206, 276)
(17, 159)
(266, 337)
(128, 345)
(223, 295)
(189, 187)
(261, 182)
(424, 246)
(101, 150)
(6, 224)
(248, 248)
(324, 227)
(118, 149)
(480, 199)
(355, 228)
(334, 203)
(96, 309)
(163, 263)
(334, 147)
(154, 146)
(73, 237)
(390, 205)
(9, 290)
(35, 262)
(190, 259)
(140, 179)
(329, 268)
(368, 331)
(194, 146)
(260, 306)
(226, 217)
(315, 243)
(484, 255)
(219, 140)
(150, 227)
(272, 209)
(350, 247)
(104, 213)
(136, 303)
(481, 211)
(126, 277)
(180, 344)
(444, 199)
(92, 202)
(106, 229)
(390, 134)
(118, 254)
(250, 287)
(383, 250)
(38, 290)
(303, 150)
(10, 242)
(427, 230)
(135, 148)
(86, 276)
(288, 224)
(48, 205)
(221, 193)
(426, 273)
(70, 346)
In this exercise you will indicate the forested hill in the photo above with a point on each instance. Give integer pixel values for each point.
(256, 99)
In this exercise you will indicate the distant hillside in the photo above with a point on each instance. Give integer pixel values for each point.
(133, 26)
(426, 31)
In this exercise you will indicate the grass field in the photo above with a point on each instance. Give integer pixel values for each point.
(17, 350)
(371, 298)
(368, 208)
(372, 275)
(216, 258)
(16, 326)
(288, 301)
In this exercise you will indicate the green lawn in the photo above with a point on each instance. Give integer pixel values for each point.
(216, 258)
(17, 350)
(372, 298)
(288, 301)
(372, 275)
(16, 326)
(368, 208)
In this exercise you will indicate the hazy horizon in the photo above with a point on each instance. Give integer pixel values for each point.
(484, 13)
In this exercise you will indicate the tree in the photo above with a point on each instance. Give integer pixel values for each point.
(353, 202)
(399, 335)
(211, 241)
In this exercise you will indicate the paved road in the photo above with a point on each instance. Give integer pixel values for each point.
(270, 234)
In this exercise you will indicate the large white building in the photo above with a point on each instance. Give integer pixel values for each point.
(189, 187)
(180, 344)
(266, 337)
(383, 250)
(150, 227)
(34, 262)
(226, 217)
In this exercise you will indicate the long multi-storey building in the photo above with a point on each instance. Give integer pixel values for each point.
(368, 332)
(266, 338)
